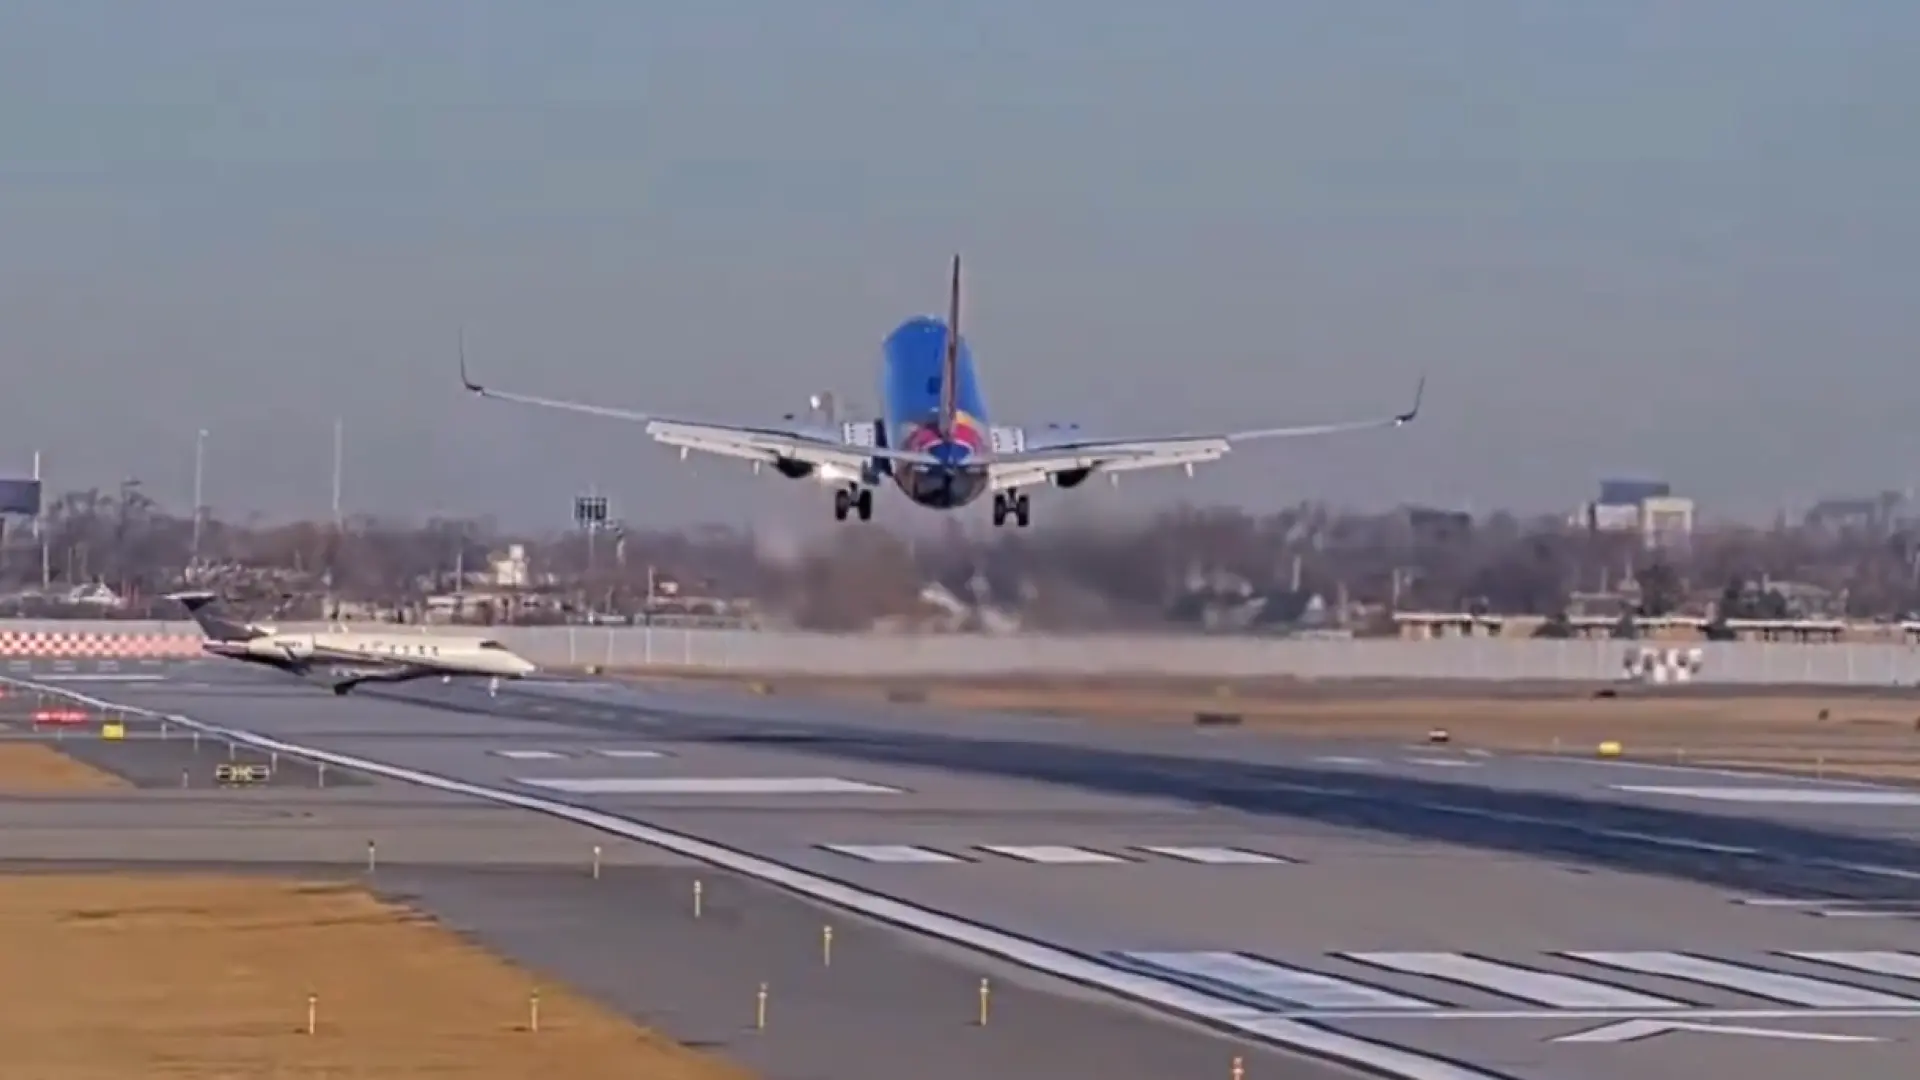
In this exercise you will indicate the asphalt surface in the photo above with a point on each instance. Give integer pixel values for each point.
(1429, 899)
(884, 1004)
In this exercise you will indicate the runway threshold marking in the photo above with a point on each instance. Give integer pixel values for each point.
(1278, 1030)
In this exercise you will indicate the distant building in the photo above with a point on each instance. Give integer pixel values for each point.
(1632, 492)
(1648, 507)
(1666, 522)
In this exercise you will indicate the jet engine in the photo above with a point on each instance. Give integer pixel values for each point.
(1071, 478)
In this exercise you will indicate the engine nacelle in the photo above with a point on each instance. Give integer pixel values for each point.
(1009, 440)
(278, 648)
(793, 469)
(1071, 478)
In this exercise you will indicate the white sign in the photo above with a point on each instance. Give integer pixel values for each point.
(1636, 1030)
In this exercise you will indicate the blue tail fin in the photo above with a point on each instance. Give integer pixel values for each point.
(950, 364)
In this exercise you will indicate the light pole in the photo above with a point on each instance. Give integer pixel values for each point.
(199, 475)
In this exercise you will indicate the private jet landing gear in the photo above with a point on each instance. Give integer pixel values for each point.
(853, 499)
(1016, 505)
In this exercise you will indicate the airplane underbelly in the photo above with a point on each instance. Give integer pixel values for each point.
(941, 489)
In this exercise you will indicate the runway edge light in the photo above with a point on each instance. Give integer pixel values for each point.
(1609, 749)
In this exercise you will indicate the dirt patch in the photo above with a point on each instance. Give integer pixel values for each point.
(1847, 732)
(38, 769)
(203, 977)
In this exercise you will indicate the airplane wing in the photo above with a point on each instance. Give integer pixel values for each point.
(1037, 465)
(746, 441)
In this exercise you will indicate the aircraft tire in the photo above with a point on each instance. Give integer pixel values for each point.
(999, 511)
(842, 502)
(864, 504)
(1022, 511)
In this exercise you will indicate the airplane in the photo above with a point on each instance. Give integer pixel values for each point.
(353, 657)
(934, 441)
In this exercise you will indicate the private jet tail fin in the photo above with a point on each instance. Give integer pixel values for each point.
(950, 363)
(205, 607)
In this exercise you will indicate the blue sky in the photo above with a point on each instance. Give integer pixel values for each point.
(1674, 239)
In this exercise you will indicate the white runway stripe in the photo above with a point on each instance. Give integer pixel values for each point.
(891, 853)
(530, 755)
(1525, 984)
(1218, 856)
(1289, 986)
(1777, 985)
(630, 754)
(1052, 854)
(1781, 796)
(709, 785)
(1897, 965)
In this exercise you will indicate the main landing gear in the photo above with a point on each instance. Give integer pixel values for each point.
(853, 500)
(1016, 505)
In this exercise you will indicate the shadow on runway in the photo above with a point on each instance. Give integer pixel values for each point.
(1786, 859)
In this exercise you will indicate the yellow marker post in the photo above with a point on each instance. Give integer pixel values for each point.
(113, 730)
(698, 889)
(533, 1009)
(1609, 749)
(313, 1013)
(826, 946)
(986, 999)
(760, 1008)
(1239, 1069)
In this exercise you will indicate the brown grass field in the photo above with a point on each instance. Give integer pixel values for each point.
(1850, 732)
(202, 977)
(38, 769)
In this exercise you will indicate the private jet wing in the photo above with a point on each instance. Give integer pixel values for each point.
(747, 441)
(1037, 465)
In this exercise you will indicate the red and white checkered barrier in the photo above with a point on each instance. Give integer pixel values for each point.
(24, 644)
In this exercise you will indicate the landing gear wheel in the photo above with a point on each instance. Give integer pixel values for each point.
(999, 511)
(842, 502)
(1022, 510)
(863, 503)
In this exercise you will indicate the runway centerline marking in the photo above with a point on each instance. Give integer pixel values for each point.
(1782, 796)
(707, 785)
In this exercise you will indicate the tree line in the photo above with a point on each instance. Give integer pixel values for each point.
(1173, 567)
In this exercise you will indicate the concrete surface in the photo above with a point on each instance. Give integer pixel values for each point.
(1756, 663)
(1452, 877)
(521, 883)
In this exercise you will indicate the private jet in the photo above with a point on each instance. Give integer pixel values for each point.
(353, 657)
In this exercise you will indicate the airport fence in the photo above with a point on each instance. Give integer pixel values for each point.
(1752, 663)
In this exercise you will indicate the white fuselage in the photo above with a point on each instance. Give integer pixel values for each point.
(444, 653)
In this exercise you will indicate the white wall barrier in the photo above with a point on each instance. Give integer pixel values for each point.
(1752, 663)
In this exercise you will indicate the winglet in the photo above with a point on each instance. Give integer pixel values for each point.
(1419, 391)
(472, 386)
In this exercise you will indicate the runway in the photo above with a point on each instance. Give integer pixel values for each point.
(1512, 916)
